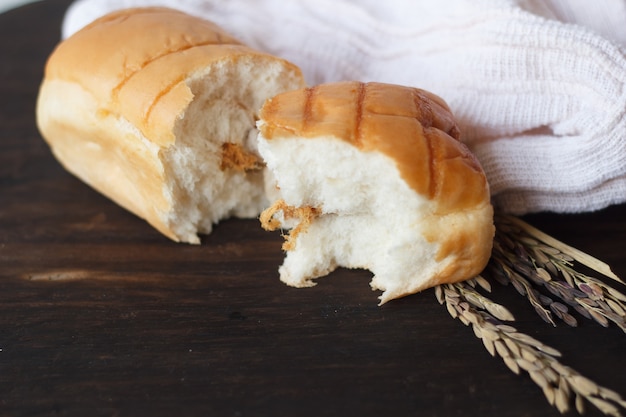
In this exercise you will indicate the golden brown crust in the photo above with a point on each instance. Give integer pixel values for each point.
(466, 239)
(143, 77)
(412, 126)
(115, 36)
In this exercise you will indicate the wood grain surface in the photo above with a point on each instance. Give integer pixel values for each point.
(102, 316)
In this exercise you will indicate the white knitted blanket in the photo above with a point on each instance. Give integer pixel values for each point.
(538, 86)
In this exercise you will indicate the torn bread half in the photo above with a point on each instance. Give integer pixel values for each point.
(156, 109)
(374, 176)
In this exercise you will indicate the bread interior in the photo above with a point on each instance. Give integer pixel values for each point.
(214, 170)
(368, 216)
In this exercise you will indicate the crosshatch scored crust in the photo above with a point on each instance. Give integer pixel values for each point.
(435, 163)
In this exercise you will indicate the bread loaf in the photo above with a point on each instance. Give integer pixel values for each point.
(374, 176)
(156, 109)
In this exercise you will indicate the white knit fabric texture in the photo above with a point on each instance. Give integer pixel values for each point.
(538, 86)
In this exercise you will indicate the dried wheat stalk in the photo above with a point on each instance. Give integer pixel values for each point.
(530, 260)
(561, 384)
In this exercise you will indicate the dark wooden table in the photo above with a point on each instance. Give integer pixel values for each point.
(102, 316)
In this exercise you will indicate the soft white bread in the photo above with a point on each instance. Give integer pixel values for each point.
(373, 176)
(156, 109)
